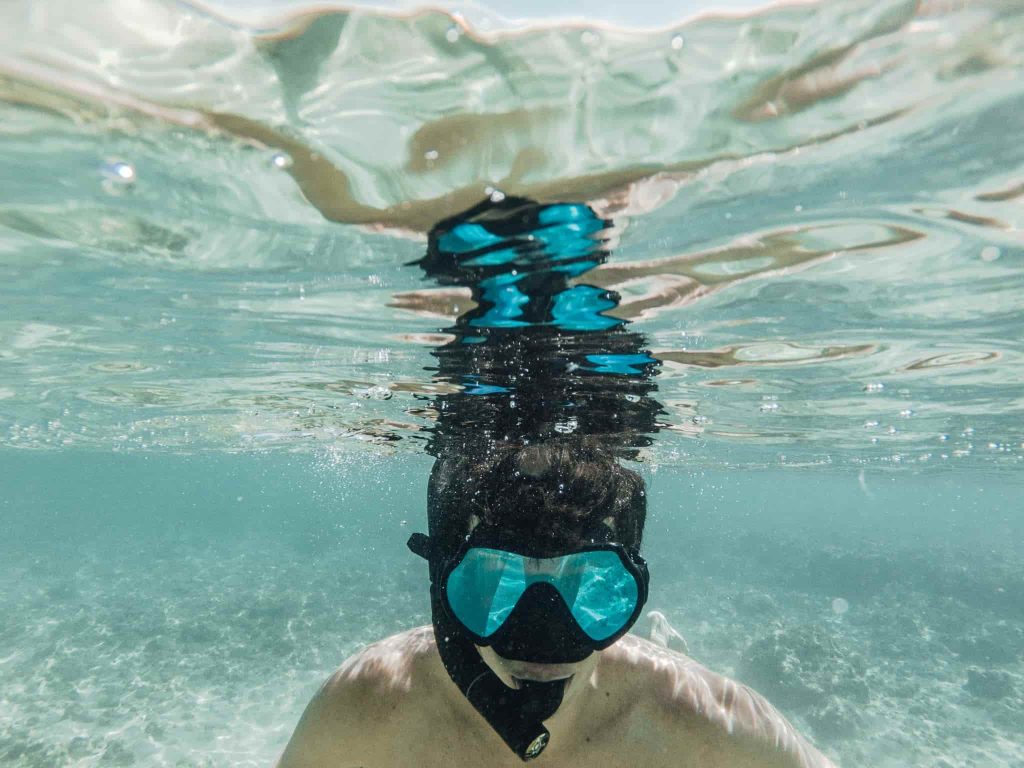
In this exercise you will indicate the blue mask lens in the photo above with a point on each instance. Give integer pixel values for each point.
(599, 590)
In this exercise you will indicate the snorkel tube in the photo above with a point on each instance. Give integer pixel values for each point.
(517, 716)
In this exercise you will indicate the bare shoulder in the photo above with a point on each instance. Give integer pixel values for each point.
(367, 689)
(388, 664)
(700, 706)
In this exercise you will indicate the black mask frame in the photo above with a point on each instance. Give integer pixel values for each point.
(485, 537)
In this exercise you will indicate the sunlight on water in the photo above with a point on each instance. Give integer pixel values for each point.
(208, 225)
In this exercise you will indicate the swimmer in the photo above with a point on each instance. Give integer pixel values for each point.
(536, 578)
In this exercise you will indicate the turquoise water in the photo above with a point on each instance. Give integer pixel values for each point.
(217, 377)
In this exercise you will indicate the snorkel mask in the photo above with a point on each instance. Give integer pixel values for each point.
(593, 594)
(527, 607)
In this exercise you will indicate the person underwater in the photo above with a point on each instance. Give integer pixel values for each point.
(533, 543)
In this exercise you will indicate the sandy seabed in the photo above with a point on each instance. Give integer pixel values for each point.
(194, 654)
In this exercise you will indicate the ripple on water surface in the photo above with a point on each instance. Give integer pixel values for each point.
(795, 223)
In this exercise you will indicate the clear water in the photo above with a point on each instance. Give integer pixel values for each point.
(215, 359)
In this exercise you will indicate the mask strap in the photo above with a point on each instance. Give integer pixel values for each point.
(420, 544)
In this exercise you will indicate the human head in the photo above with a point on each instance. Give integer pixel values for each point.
(551, 494)
(548, 500)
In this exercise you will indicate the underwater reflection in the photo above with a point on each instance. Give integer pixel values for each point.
(537, 355)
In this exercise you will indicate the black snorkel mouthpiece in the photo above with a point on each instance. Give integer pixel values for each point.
(516, 715)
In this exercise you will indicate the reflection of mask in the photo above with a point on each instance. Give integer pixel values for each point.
(541, 610)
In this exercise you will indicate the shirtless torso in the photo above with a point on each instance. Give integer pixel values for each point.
(393, 706)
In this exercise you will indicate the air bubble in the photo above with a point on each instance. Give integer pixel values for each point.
(566, 427)
(677, 42)
(375, 392)
(874, 386)
(119, 170)
(453, 34)
(431, 154)
(281, 160)
(840, 606)
(906, 413)
(118, 176)
(990, 253)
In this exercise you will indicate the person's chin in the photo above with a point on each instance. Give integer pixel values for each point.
(539, 673)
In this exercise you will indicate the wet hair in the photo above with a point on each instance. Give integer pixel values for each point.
(552, 493)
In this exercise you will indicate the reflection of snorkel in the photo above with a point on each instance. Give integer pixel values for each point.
(536, 359)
